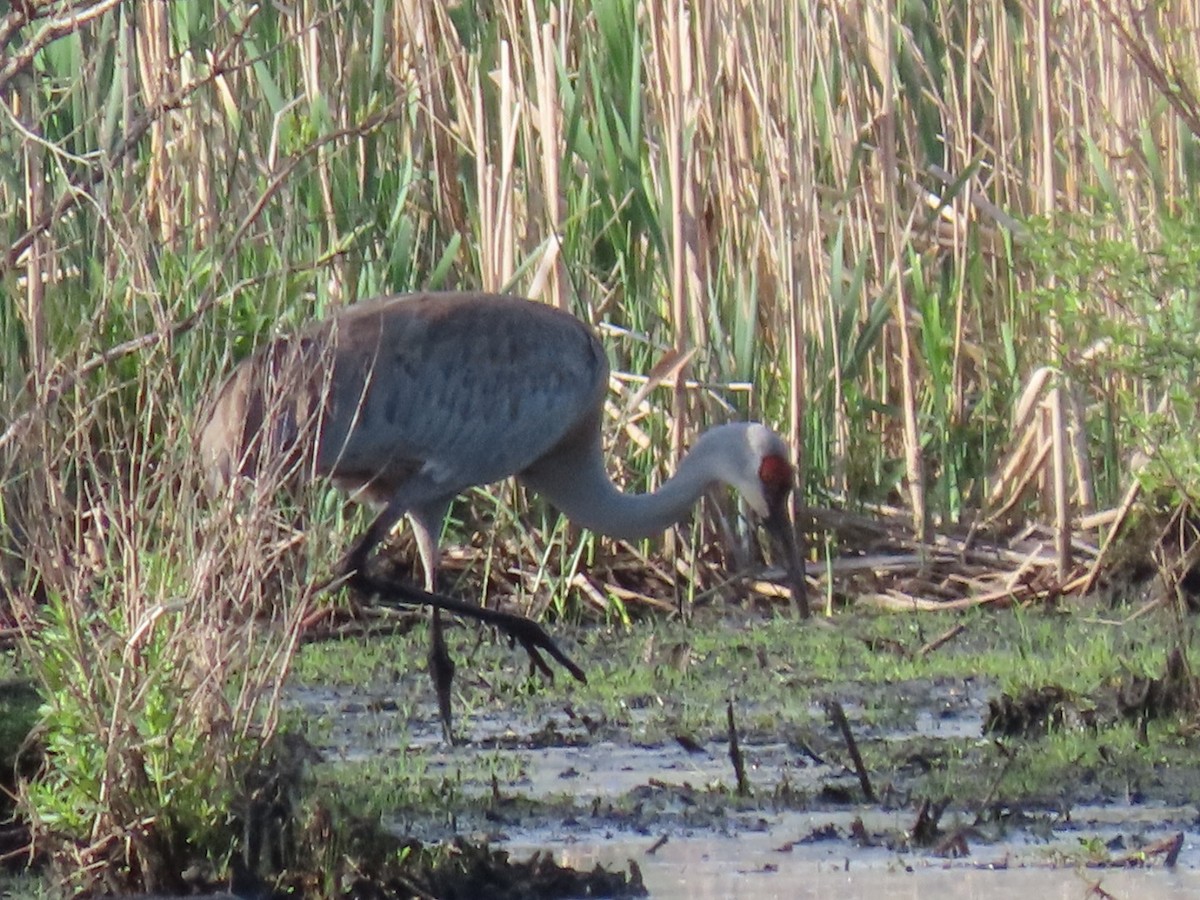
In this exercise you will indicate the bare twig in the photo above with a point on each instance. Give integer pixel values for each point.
(78, 188)
(942, 639)
(65, 382)
(76, 17)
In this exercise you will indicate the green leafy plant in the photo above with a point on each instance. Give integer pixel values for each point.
(1129, 300)
(159, 762)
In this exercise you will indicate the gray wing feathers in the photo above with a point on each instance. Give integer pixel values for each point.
(470, 390)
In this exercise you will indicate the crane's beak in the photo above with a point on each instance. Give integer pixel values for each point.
(783, 535)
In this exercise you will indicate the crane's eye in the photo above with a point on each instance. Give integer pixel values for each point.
(777, 477)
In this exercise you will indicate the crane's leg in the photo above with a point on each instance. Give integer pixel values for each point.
(354, 563)
(427, 524)
(426, 518)
(441, 671)
(425, 500)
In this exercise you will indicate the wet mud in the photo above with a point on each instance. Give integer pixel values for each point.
(639, 786)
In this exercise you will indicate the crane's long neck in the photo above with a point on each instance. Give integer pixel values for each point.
(579, 486)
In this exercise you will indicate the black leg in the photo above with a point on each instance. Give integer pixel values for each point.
(526, 632)
(441, 671)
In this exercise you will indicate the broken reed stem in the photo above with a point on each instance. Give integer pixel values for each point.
(1062, 515)
(1010, 757)
(35, 275)
(672, 28)
(549, 127)
(735, 753)
(838, 715)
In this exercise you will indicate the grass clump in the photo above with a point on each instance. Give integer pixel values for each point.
(157, 627)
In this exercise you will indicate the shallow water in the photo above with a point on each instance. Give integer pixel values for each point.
(700, 875)
(763, 865)
(606, 798)
(757, 853)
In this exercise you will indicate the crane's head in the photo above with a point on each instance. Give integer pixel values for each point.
(756, 462)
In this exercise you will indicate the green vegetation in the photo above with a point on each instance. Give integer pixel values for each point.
(833, 206)
(771, 657)
(1141, 334)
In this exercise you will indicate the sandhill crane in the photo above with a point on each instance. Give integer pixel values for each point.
(410, 400)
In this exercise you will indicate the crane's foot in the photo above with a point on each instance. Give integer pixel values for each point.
(441, 671)
(529, 634)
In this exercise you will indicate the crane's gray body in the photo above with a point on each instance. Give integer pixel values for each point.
(437, 392)
(410, 400)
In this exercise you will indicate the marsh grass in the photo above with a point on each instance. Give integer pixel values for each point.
(811, 214)
(158, 638)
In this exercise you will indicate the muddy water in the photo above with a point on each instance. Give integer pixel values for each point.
(725, 870)
(698, 874)
(592, 799)
(763, 853)
(766, 864)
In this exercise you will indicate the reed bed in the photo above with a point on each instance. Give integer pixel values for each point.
(826, 212)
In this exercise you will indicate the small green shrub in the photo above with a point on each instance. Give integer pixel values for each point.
(1130, 304)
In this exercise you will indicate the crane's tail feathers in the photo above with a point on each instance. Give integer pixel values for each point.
(524, 630)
